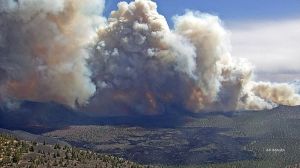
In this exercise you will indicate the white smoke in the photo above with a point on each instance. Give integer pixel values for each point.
(43, 49)
(138, 64)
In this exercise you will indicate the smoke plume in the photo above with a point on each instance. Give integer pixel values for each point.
(43, 49)
(132, 63)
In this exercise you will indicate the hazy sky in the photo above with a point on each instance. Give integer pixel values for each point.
(266, 32)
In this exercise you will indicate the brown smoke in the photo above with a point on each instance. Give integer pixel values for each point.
(138, 55)
(138, 64)
(43, 49)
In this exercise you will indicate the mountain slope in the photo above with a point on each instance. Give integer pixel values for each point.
(40, 117)
(18, 153)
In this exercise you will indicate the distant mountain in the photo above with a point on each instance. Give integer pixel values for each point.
(227, 139)
(174, 138)
(38, 117)
(22, 135)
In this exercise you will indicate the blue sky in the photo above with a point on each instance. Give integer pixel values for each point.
(226, 9)
(268, 29)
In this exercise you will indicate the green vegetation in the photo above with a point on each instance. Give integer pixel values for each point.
(18, 153)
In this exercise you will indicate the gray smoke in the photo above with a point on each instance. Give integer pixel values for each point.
(43, 55)
(135, 64)
(142, 65)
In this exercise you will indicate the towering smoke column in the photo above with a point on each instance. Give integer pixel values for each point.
(43, 55)
(141, 65)
(135, 63)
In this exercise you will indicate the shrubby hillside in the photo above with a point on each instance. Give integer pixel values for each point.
(19, 153)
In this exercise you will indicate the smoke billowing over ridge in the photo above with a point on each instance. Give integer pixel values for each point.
(133, 62)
